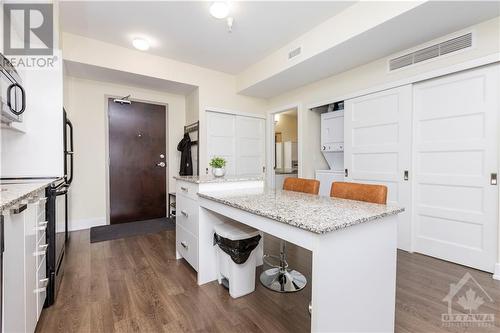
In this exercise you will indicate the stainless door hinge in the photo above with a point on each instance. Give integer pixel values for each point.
(346, 173)
(493, 179)
(406, 175)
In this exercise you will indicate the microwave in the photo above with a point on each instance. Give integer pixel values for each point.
(12, 93)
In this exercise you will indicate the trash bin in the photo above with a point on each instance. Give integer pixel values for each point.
(236, 256)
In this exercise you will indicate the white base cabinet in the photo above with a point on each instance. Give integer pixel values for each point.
(24, 265)
(187, 221)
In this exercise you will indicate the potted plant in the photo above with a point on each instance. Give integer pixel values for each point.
(218, 164)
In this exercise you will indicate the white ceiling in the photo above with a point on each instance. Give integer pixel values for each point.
(426, 22)
(185, 31)
(90, 72)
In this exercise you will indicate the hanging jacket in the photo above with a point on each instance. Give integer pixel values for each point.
(184, 146)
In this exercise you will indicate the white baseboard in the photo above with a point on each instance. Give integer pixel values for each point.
(86, 223)
(496, 275)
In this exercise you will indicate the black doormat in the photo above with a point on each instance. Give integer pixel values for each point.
(123, 230)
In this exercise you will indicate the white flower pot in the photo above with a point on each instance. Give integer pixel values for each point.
(218, 172)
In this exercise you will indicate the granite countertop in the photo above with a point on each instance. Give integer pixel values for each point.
(11, 194)
(314, 213)
(211, 179)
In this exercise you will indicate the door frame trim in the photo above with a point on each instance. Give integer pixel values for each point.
(270, 139)
(106, 144)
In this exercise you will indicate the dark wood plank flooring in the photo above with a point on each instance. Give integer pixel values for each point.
(136, 285)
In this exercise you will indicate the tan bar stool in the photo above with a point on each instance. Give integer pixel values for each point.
(359, 192)
(279, 278)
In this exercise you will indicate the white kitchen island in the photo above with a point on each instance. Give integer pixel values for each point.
(187, 224)
(353, 248)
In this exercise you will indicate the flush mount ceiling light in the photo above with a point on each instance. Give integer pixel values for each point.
(219, 9)
(140, 44)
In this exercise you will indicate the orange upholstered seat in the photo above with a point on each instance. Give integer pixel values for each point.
(359, 192)
(310, 186)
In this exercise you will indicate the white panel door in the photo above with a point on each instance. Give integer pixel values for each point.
(250, 145)
(456, 151)
(377, 146)
(221, 138)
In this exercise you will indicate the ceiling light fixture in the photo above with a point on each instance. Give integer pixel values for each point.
(140, 44)
(219, 9)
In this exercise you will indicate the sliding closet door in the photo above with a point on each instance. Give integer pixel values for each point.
(239, 139)
(456, 151)
(221, 139)
(250, 145)
(377, 134)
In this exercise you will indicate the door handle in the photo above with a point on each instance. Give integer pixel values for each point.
(184, 245)
(493, 179)
(184, 213)
(406, 175)
(161, 164)
(346, 172)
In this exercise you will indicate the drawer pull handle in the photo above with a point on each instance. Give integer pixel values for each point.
(184, 245)
(42, 250)
(185, 189)
(184, 213)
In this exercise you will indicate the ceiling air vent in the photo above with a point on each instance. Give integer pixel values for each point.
(434, 51)
(295, 52)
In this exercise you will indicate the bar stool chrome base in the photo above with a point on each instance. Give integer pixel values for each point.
(283, 280)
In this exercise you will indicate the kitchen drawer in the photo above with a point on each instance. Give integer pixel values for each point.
(41, 252)
(41, 287)
(41, 209)
(41, 228)
(187, 214)
(187, 245)
(187, 189)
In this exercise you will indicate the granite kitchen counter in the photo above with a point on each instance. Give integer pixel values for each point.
(226, 179)
(314, 213)
(11, 194)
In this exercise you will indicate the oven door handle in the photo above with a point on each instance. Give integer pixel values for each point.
(62, 192)
(23, 95)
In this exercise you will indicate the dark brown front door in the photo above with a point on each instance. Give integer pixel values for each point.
(137, 175)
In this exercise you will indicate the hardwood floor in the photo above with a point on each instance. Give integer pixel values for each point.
(136, 285)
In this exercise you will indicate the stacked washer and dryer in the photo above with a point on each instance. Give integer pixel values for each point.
(332, 147)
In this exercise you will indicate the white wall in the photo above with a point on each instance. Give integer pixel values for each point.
(367, 76)
(287, 126)
(215, 89)
(86, 104)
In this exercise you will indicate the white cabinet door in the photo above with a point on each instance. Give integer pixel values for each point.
(456, 151)
(30, 266)
(238, 139)
(250, 145)
(377, 145)
(14, 302)
(221, 138)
